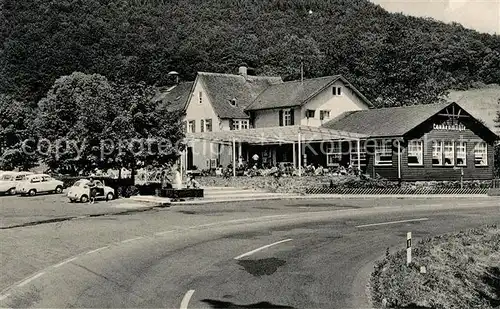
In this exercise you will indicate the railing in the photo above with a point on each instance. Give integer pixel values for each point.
(143, 177)
(495, 183)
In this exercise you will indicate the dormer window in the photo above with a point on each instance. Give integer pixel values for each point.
(336, 90)
(240, 124)
(232, 102)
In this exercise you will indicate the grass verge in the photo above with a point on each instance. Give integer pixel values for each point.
(462, 271)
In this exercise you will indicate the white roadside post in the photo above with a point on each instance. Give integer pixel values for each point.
(299, 144)
(234, 157)
(408, 248)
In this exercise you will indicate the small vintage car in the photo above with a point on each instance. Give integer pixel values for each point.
(10, 181)
(39, 183)
(80, 191)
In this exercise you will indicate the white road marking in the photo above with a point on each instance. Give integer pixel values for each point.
(65, 262)
(31, 279)
(261, 248)
(393, 222)
(165, 232)
(96, 250)
(186, 299)
(131, 239)
(2, 297)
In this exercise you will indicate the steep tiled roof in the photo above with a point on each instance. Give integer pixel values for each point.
(295, 93)
(222, 88)
(385, 122)
(176, 96)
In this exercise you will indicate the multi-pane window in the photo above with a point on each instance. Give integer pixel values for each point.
(333, 154)
(287, 117)
(200, 97)
(244, 124)
(202, 125)
(449, 153)
(337, 90)
(481, 154)
(383, 153)
(354, 154)
(437, 153)
(240, 124)
(192, 126)
(325, 114)
(461, 151)
(415, 152)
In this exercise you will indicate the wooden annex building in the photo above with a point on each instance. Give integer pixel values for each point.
(421, 142)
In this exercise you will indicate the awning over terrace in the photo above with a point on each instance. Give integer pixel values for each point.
(277, 135)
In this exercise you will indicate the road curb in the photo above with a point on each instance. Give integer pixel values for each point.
(324, 197)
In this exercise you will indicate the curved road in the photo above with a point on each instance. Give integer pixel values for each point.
(319, 259)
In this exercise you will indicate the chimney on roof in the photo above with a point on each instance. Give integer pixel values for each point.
(243, 71)
(175, 76)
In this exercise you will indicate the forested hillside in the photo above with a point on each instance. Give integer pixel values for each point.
(393, 59)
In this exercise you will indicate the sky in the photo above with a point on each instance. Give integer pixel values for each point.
(481, 15)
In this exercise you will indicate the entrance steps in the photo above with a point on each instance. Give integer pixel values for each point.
(218, 195)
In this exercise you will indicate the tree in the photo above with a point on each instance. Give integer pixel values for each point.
(86, 122)
(144, 132)
(15, 119)
(71, 121)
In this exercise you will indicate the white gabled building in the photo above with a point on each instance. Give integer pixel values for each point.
(223, 102)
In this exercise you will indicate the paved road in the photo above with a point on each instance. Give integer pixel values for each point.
(321, 259)
(17, 210)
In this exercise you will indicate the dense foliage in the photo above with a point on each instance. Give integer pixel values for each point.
(15, 119)
(86, 122)
(392, 58)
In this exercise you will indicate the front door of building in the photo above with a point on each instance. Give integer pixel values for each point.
(189, 163)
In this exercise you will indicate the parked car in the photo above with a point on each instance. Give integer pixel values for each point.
(40, 183)
(80, 191)
(9, 182)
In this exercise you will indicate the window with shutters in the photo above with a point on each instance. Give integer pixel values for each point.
(287, 117)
